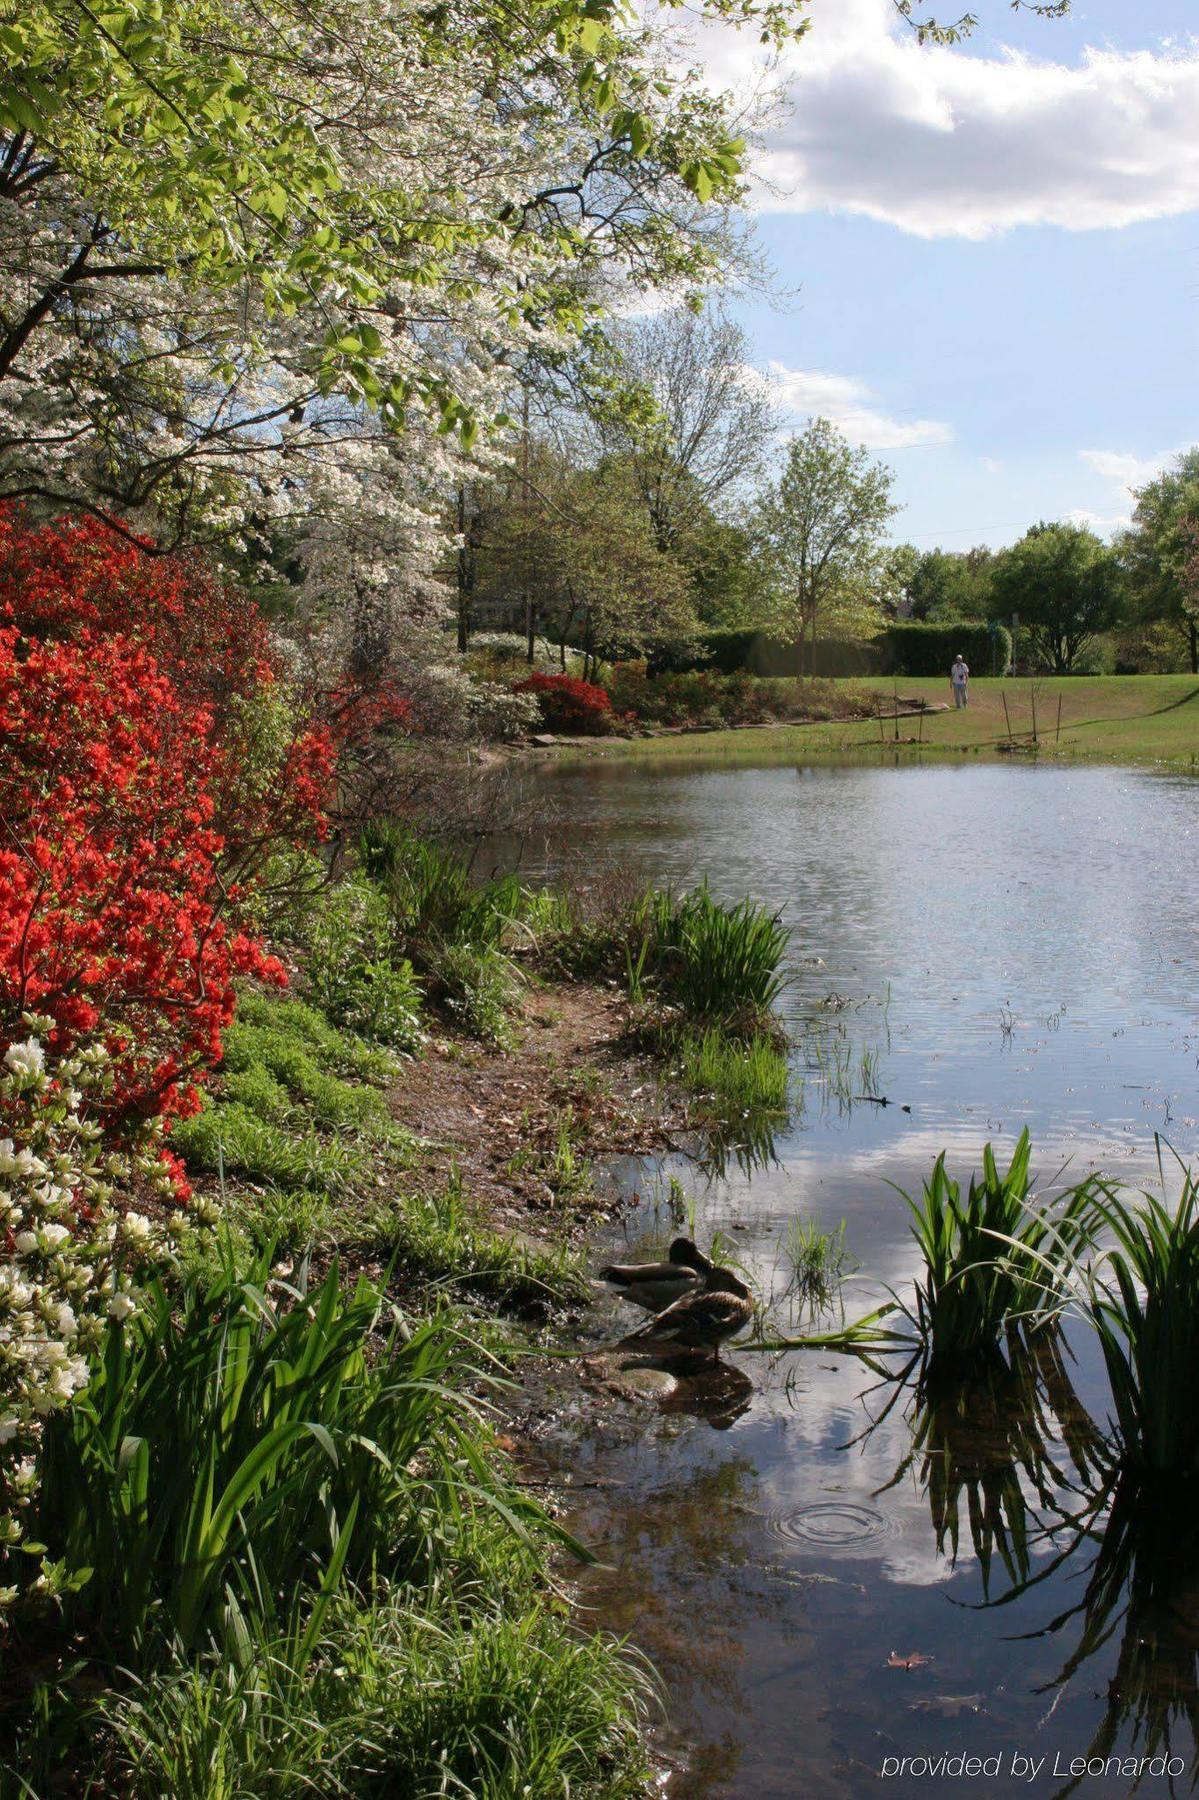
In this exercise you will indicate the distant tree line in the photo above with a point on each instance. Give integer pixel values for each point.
(635, 526)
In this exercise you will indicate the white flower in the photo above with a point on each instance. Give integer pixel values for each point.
(26, 1059)
(54, 1235)
(65, 1320)
(136, 1228)
(26, 1242)
(9, 1426)
(8, 1157)
(120, 1307)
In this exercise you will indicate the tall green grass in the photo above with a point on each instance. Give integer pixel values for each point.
(735, 1076)
(1141, 1296)
(995, 1261)
(241, 1440)
(714, 961)
(409, 1699)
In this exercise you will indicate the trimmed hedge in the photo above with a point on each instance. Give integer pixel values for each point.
(754, 653)
(903, 648)
(912, 648)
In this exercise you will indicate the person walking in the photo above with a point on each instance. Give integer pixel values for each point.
(959, 679)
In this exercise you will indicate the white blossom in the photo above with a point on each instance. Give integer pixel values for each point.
(27, 1059)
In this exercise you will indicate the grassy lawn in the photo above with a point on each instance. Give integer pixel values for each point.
(1108, 718)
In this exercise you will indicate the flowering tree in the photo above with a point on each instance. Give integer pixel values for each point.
(275, 243)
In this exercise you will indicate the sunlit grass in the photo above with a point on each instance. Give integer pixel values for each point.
(735, 1076)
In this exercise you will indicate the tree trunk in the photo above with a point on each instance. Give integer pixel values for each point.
(465, 574)
(1193, 630)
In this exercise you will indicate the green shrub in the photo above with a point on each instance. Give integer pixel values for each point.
(477, 987)
(905, 647)
(710, 959)
(1142, 1298)
(353, 970)
(698, 697)
(758, 653)
(397, 1698)
(431, 894)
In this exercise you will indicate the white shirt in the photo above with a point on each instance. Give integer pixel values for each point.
(959, 674)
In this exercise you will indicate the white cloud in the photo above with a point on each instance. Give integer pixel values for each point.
(946, 144)
(1123, 472)
(850, 405)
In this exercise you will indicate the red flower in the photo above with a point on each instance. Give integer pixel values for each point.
(568, 704)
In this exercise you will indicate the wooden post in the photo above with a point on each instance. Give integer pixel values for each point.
(895, 697)
(1058, 734)
(882, 736)
(1006, 718)
(1032, 694)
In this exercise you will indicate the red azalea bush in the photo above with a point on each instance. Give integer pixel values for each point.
(147, 770)
(570, 705)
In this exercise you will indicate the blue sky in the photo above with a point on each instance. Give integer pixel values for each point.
(992, 255)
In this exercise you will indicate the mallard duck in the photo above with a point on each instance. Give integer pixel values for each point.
(659, 1284)
(699, 1321)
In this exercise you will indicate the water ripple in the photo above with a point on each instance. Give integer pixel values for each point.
(832, 1525)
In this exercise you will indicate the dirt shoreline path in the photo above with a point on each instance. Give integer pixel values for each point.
(522, 1125)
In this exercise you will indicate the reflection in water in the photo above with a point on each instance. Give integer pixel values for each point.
(1142, 1587)
(992, 1446)
(718, 1395)
(992, 948)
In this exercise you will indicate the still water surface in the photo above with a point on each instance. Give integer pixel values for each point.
(1007, 947)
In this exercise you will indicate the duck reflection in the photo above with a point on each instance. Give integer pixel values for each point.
(718, 1394)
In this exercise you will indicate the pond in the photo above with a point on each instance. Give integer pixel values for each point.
(832, 1573)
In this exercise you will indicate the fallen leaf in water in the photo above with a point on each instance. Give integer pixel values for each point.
(505, 1443)
(913, 1660)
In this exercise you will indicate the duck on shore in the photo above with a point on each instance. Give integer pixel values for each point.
(657, 1285)
(700, 1320)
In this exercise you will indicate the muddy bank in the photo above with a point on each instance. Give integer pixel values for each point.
(523, 1127)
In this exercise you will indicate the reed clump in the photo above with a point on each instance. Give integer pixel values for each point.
(1141, 1297)
(995, 1261)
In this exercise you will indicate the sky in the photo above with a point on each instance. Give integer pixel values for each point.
(987, 257)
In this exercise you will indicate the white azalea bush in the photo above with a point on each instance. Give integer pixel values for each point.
(71, 1255)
